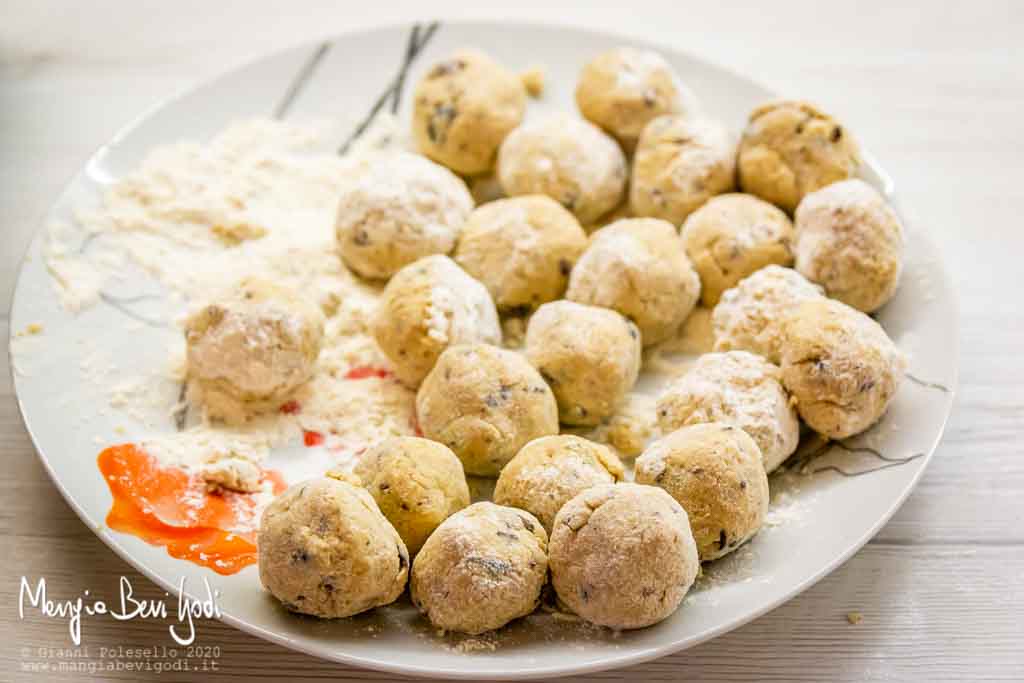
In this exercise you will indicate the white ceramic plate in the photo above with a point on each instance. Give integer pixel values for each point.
(827, 515)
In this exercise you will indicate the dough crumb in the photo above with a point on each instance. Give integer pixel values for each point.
(533, 80)
(854, 617)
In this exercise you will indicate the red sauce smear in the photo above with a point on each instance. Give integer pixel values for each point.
(363, 372)
(290, 408)
(311, 438)
(164, 506)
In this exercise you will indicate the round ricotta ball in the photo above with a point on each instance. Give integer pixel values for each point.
(638, 267)
(679, 164)
(522, 249)
(739, 389)
(482, 568)
(621, 90)
(732, 236)
(840, 366)
(417, 484)
(426, 307)
(589, 356)
(463, 108)
(399, 208)
(622, 555)
(568, 159)
(485, 403)
(716, 473)
(790, 149)
(326, 550)
(547, 472)
(749, 316)
(850, 241)
(250, 351)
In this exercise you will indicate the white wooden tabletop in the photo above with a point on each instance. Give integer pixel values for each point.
(936, 92)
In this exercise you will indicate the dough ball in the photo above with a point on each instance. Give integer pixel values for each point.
(622, 89)
(748, 317)
(732, 236)
(790, 149)
(840, 366)
(622, 555)
(637, 266)
(482, 568)
(739, 389)
(550, 471)
(463, 108)
(716, 473)
(247, 353)
(417, 483)
(567, 159)
(522, 249)
(850, 241)
(589, 356)
(326, 550)
(401, 207)
(426, 307)
(679, 164)
(485, 403)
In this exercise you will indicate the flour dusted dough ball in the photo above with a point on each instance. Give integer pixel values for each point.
(622, 89)
(522, 249)
(248, 352)
(739, 389)
(326, 550)
(637, 266)
(679, 164)
(568, 159)
(401, 207)
(485, 403)
(589, 356)
(622, 555)
(790, 149)
(749, 316)
(463, 108)
(426, 307)
(840, 366)
(482, 568)
(417, 483)
(715, 472)
(732, 236)
(850, 241)
(550, 471)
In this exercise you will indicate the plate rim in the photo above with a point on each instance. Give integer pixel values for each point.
(612, 661)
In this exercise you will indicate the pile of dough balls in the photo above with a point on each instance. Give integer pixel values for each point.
(463, 109)
(773, 234)
(485, 403)
(849, 241)
(568, 159)
(790, 149)
(399, 208)
(732, 236)
(426, 307)
(638, 267)
(679, 164)
(249, 352)
(589, 356)
(621, 90)
(522, 249)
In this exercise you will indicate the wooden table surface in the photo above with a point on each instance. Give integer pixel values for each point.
(936, 92)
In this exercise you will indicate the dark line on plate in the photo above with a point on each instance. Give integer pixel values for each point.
(924, 383)
(301, 79)
(892, 462)
(392, 91)
(120, 306)
(181, 409)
